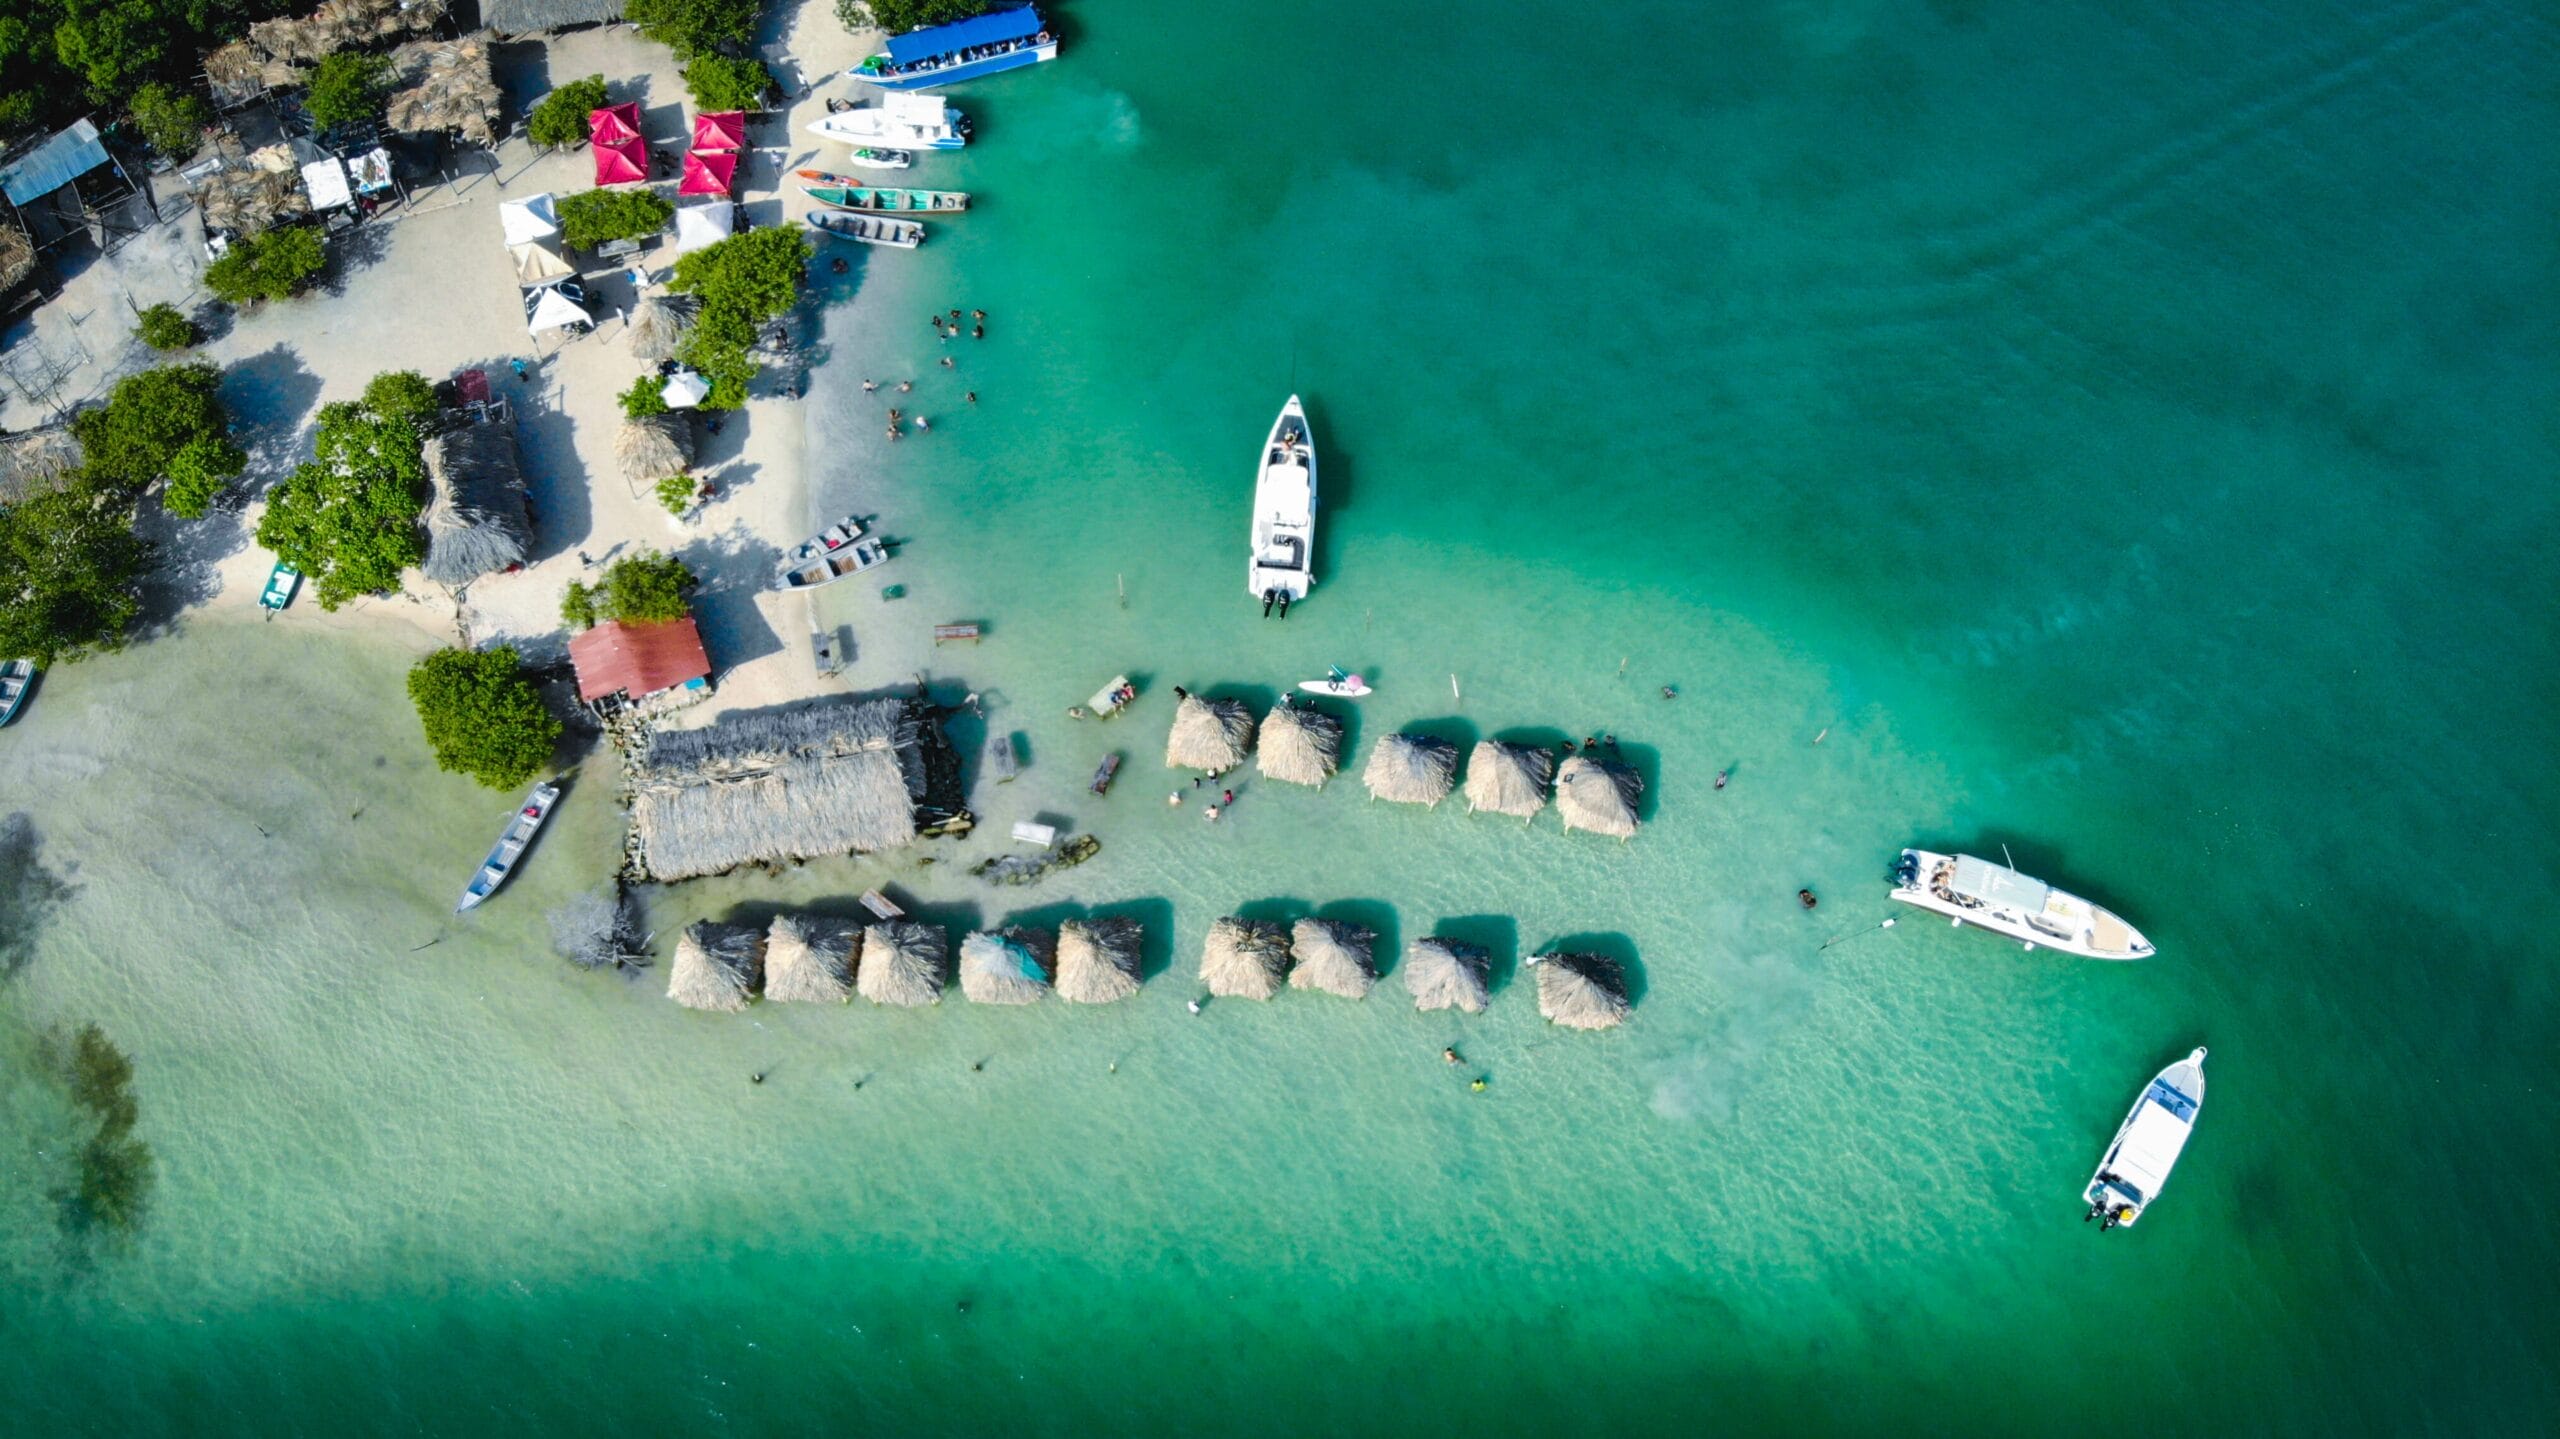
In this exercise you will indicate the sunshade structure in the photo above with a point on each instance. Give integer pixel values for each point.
(1245, 958)
(549, 308)
(445, 85)
(684, 389)
(325, 181)
(708, 172)
(1005, 966)
(809, 958)
(1411, 769)
(614, 124)
(1099, 959)
(532, 218)
(717, 966)
(248, 199)
(1299, 745)
(651, 449)
(477, 520)
(720, 130)
(626, 163)
(840, 777)
(540, 262)
(638, 660)
(1510, 779)
(1581, 991)
(1446, 974)
(706, 224)
(904, 964)
(1332, 956)
(659, 324)
(1600, 797)
(1210, 735)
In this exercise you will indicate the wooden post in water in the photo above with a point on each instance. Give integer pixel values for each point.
(1453, 690)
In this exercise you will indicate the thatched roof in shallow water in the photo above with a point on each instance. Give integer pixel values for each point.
(903, 964)
(1245, 958)
(1600, 797)
(717, 966)
(1581, 991)
(1510, 779)
(651, 449)
(1411, 769)
(1207, 734)
(1332, 956)
(1099, 960)
(477, 521)
(808, 958)
(1299, 745)
(1006, 966)
(659, 324)
(833, 778)
(1446, 974)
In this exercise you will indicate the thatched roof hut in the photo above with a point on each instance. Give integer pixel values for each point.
(1581, 991)
(834, 778)
(1446, 974)
(718, 966)
(808, 958)
(1595, 795)
(36, 462)
(239, 72)
(344, 25)
(651, 449)
(1332, 956)
(246, 199)
(1300, 745)
(1211, 735)
(1006, 966)
(659, 324)
(17, 257)
(1411, 769)
(1098, 960)
(530, 17)
(477, 521)
(1245, 958)
(903, 964)
(446, 85)
(1509, 779)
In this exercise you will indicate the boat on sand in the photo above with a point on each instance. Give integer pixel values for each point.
(511, 846)
(837, 552)
(2147, 1144)
(16, 676)
(1282, 567)
(1998, 898)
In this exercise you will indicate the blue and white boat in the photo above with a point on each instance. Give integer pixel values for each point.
(964, 50)
(16, 677)
(898, 122)
(2147, 1145)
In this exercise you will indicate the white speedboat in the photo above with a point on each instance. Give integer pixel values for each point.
(869, 159)
(1283, 566)
(1999, 899)
(511, 845)
(2147, 1145)
(901, 121)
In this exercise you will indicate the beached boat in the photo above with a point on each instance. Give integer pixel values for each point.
(1003, 760)
(282, 583)
(869, 229)
(898, 122)
(1282, 567)
(1109, 770)
(1999, 899)
(16, 678)
(1111, 698)
(1341, 684)
(834, 553)
(888, 200)
(963, 50)
(2147, 1144)
(511, 846)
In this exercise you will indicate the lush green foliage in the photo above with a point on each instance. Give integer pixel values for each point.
(722, 82)
(676, 493)
(166, 328)
(198, 475)
(696, 27)
(598, 217)
(349, 518)
(743, 282)
(645, 587)
(900, 16)
(482, 716)
(647, 396)
(578, 607)
(347, 89)
(130, 441)
(559, 122)
(70, 572)
(173, 120)
(60, 58)
(269, 265)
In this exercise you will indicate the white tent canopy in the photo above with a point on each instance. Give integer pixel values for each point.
(539, 263)
(326, 182)
(684, 390)
(372, 170)
(700, 225)
(529, 219)
(552, 310)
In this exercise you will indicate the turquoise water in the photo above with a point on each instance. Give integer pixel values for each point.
(2123, 438)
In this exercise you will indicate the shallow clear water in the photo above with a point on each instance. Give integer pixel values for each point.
(2126, 439)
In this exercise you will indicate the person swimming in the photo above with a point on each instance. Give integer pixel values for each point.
(1477, 1086)
(1449, 1056)
(1805, 897)
(1671, 692)
(1721, 776)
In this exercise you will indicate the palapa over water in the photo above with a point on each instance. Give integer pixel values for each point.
(1099, 959)
(1207, 734)
(655, 447)
(1447, 974)
(1333, 956)
(1005, 966)
(1411, 769)
(1581, 991)
(1245, 958)
(659, 324)
(1509, 779)
(1300, 745)
(717, 966)
(1600, 797)
(477, 520)
(809, 958)
(903, 964)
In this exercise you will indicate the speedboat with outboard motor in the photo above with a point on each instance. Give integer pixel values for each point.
(901, 121)
(1283, 564)
(1998, 898)
(2147, 1144)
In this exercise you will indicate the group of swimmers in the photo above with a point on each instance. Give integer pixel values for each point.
(942, 329)
(1226, 799)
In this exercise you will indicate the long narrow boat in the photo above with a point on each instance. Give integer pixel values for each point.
(1282, 567)
(869, 229)
(834, 553)
(1998, 898)
(888, 200)
(898, 122)
(511, 846)
(15, 678)
(2147, 1144)
(1108, 771)
(963, 50)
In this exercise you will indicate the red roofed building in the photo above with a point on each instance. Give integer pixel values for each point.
(638, 660)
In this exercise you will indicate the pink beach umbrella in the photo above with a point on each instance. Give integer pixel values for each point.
(621, 164)
(710, 172)
(720, 130)
(614, 124)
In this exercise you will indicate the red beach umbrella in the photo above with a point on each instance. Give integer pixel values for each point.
(614, 124)
(622, 164)
(708, 172)
(720, 130)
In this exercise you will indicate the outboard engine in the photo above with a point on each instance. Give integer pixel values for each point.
(1284, 604)
(1269, 598)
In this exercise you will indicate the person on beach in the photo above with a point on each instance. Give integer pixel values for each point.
(905, 386)
(923, 424)
(894, 432)
(955, 318)
(946, 362)
(1195, 1006)
(1228, 798)
(519, 368)
(1478, 1084)
(977, 314)
(870, 387)
(1568, 746)
(1670, 692)
(977, 332)
(1590, 745)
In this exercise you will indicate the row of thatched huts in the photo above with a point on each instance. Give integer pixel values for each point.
(1303, 745)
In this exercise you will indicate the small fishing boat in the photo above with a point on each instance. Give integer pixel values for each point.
(2147, 1144)
(1003, 761)
(834, 553)
(1109, 771)
(865, 158)
(283, 582)
(888, 200)
(869, 229)
(1112, 698)
(898, 122)
(968, 49)
(1281, 568)
(16, 677)
(1342, 684)
(511, 846)
(1998, 898)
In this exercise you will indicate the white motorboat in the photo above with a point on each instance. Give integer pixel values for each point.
(837, 552)
(1998, 898)
(866, 158)
(510, 847)
(1283, 565)
(2147, 1145)
(901, 121)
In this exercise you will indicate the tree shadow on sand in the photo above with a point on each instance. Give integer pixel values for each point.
(556, 479)
(731, 568)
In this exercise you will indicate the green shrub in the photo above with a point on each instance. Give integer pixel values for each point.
(267, 266)
(578, 607)
(676, 493)
(647, 396)
(70, 572)
(696, 27)
(743, 282)
(349, 519)
(721, 82)
(600, 217)
(346, 89)
(482, 715)
(165, 328)
(644, 588)
(899, 16)
(198, 475)
(559, 121)
(131, 441)
(173, 120)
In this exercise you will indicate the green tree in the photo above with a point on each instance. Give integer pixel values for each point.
(115, 45)
(402, 395)
(559, 122)
(647, 396)
(724, 82)
(131, 440)
(173, 120)
(599, 217)
(199, 474)
(270, 265)
(899, 16)
(166, 328)
(346, 89)
(644, 588)
(578, 607)
(676, 493)
(70, 572)
(696, 27)
(349, 518)
(743, 282)
(483, 716)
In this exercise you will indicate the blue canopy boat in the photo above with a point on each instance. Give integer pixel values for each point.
(963, 50)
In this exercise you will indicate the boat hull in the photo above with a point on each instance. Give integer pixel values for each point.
(16, 678)
(2069, 924)
(1023, 58)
